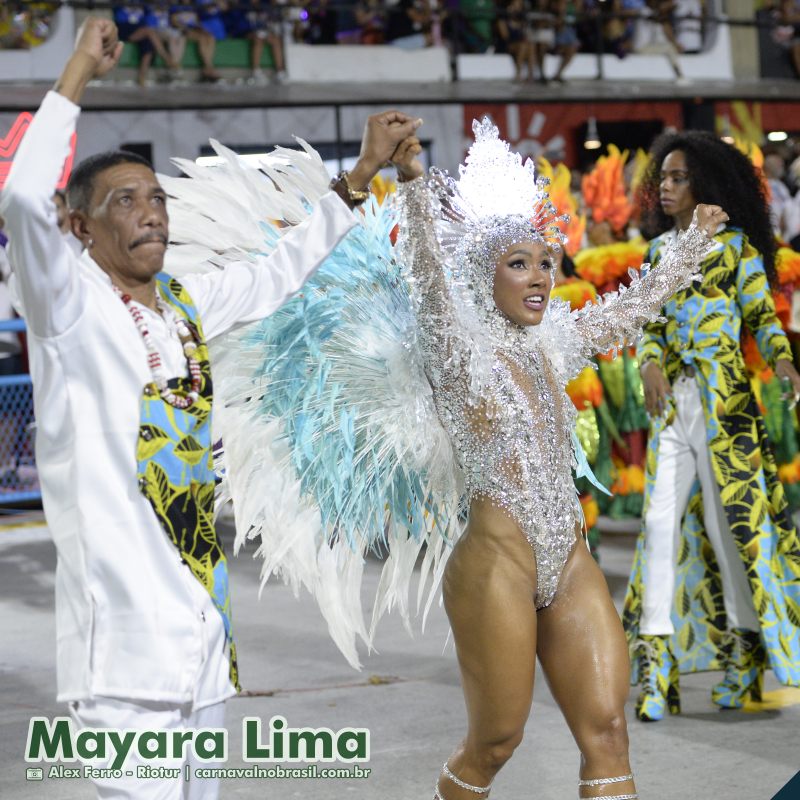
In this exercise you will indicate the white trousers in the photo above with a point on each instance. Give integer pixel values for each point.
(683, 454)
(123, 715)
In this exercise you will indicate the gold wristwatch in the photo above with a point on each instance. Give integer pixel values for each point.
(355, 196)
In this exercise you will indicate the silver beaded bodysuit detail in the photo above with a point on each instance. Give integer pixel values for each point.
(499, 388)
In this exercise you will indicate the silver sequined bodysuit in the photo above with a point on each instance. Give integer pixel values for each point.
(499, 388)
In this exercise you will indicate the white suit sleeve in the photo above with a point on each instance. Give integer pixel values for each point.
(246, 292)
(45, 269)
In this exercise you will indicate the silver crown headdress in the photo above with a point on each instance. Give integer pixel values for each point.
(497, 201)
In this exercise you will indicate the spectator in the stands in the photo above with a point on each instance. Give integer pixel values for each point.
(689, 24)
(469, 25)
(620, 28)
(792, 212)
(25, 25)
(210, 14)
(249, 19)
(322, 24)
(184, 17)
(780, 198)
(543, 33)
(157, 18)
(789, 20)
(9, 35)
(590, 25)
(408, 24)
(513, 37)
(567, 43)
(133, 27)
(371, 20)
(655, 35)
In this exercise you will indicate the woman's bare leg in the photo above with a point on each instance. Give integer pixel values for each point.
(206, 46)
(158, 45)
(584, 655)
(517, 52)
(567, 54)
(489, 598)
(176, 44)
(144, 67)
(276, 43)
(256, 50)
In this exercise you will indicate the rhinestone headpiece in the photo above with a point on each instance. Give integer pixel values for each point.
(497, 201)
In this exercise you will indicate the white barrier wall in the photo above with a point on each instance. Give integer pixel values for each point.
(42, 63)
(321, 63)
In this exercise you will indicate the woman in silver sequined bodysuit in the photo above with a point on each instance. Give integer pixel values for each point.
(498, 365)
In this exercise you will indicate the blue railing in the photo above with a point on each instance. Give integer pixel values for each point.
(19, 482)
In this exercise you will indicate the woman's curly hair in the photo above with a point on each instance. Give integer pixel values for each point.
(719, 174)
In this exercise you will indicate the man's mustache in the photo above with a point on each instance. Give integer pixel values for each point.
(151, 237)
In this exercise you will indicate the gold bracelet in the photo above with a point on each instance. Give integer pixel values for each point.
(357, 196)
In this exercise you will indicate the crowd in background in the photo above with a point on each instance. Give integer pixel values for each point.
(782, 171)
(25, 25)
(785, 15)
(525, 29)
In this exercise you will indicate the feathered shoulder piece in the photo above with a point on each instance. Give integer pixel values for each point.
(237, 210)
(331, 444)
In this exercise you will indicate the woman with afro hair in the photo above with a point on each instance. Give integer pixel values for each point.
(715, 582)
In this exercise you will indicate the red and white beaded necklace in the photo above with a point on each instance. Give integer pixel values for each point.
(154, 358)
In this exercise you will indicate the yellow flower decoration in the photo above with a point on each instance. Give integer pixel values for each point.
(565, 202)
(609, 263)
(586, 390)
(382, 188)
(575, 292)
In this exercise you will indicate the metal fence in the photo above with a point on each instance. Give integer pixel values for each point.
(19, 481)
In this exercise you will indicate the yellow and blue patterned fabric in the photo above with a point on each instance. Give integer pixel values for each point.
(702, 330)
(175, 468)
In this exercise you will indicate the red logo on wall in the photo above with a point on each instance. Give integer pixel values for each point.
(10, 143)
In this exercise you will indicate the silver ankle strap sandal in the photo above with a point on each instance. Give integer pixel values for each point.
(458, 782)
(607, 782)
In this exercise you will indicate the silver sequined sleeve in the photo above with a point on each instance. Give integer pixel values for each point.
(419, 251)
(619, 316)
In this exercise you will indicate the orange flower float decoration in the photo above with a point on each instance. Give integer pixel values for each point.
(609, 263)
(604, 190)
(783, 309)
(565, 202)
(753, 359)
(591, 511)
(787, 264)
(630, 480)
